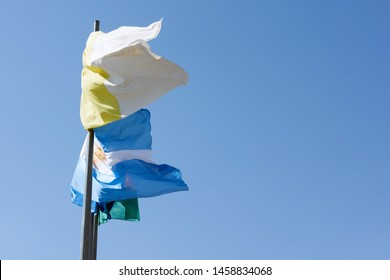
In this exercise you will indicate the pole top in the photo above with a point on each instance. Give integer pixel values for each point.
(96, 26)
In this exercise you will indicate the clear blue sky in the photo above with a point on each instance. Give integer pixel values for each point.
(282, 133)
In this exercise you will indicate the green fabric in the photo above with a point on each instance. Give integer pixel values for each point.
(126, 210)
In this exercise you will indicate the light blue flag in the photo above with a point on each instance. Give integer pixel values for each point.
(122, 164)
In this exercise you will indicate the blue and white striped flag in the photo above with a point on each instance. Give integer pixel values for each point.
(122, 164)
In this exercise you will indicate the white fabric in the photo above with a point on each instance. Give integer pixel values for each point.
(107, 160)
(125, 36)
(118, 156)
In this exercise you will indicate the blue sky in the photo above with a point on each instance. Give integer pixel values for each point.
(282, 133)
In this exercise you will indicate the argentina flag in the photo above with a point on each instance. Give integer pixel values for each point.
(122, 164)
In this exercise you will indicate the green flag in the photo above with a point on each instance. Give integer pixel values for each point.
(120, 210)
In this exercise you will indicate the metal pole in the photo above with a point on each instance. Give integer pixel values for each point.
(87, 202)
(95, 216)
(96, 26)
(89, 221)
(95, 224)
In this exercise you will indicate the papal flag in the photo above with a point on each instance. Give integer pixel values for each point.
(121, 74)
(122, 164)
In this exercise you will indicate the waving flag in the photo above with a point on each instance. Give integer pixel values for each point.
(120, 210)
(121, 74)
(122, 164)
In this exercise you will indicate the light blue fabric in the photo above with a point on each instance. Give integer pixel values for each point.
(130, 133)
(132, 178)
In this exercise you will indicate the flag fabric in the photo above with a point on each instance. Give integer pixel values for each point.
(126, 210)
(123, 166)
(121, 75)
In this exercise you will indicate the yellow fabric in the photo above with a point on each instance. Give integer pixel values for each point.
(97, 107)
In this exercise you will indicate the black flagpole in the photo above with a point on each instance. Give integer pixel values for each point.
(95, 224)
(89, 221)
(87, 202)
(95, 216)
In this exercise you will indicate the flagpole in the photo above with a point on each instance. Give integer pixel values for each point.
(89, 221)
(94, 216)
(87, 202)
(95, 224)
